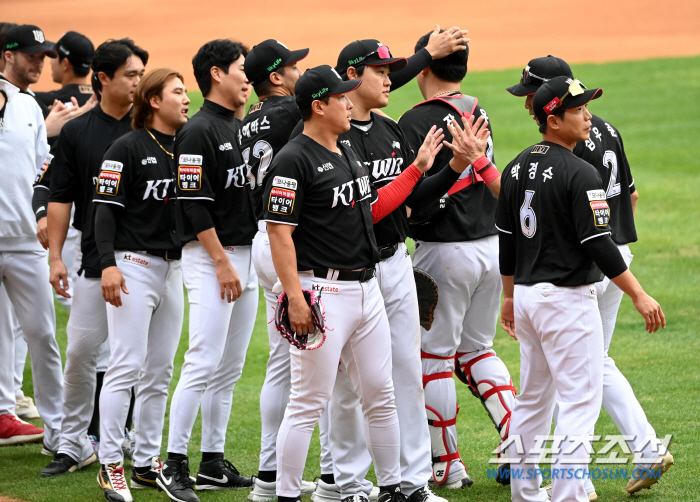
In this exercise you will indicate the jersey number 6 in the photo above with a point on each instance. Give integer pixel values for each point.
(528, 220)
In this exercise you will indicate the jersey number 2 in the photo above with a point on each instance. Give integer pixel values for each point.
(528, 220)
(263, 151)
(610, 161)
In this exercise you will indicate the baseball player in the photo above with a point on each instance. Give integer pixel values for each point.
(456, 244)
(117, 68)
(604, 150)
(23, 267)
(219, 227)
(381, 146)
(319, 215)
(137, 233)
(553, 220)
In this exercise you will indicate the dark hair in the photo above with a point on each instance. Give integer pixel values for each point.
(151, 84)
(359, 69)
(307, 113)
(78, 70)
(452, 68)
(4, 28)
(559, 112)
(265, 87)
(220, 53)
(112, 54)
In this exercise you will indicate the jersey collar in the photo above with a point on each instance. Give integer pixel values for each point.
(218, 110)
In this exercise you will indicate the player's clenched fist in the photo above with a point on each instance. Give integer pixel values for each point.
(229, 281)
(113, 284)
(432, 144)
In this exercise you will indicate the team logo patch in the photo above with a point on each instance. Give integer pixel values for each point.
(41, 171)
(194, 160)
(601, 213)
(189, 177)
(112, 165)
(593, 292)
(539, 149)
(108, 183)
(136, 259)
(549, 107)
(326, 289)
(596, 194)
(282, 182)
(281, 201)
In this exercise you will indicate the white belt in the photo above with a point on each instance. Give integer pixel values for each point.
(262, 226)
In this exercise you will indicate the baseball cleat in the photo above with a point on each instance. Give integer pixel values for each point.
(16, 431)
(218, 474)
(501, 477)
(355, 498)
(113, 483)
(129, 443)
(392, 495)
(644, 478)
(325, 492)
(591, 495)
(25, 408)
(424, 494)
(264, 490)
(145, 477)
(174, 479)
(374, 494)
(65, 464)
(457, 484)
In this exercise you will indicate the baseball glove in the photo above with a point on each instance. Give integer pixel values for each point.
(303, 342)
(427, 290)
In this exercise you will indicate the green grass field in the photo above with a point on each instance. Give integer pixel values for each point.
(655, 105)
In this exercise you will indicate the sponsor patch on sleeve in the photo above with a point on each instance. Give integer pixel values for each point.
(194, 160)
(596, 194)
(281, 181)
(281, 201)
(108, 183)
(112, 165)
(189, 177)
(40, 172)
(601, 213)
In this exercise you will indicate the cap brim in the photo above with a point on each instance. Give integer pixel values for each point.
(46, 48)
(296, 56)
(345, 87)
(580, 100)
(394, 64)
(522, 90)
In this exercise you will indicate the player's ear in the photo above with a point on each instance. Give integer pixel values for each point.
(215, 73)
(103, 78)
(352, 73)
(553, 122)
(317, 108)
(276, 78)
(155, 102)
(425, 71)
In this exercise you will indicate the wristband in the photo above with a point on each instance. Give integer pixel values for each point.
(481, 163)
(489, 174)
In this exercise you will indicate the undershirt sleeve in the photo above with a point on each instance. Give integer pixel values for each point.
(105, 231)
(606, 255)
(390, 196)
(432, 188)
(416, 64)
(506, 254)
(198, 215)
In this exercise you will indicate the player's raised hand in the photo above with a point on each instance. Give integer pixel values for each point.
(468, 143)
(651, 312)
(229, 282)
(445, 43)
(58, 277)
(113, 284)
(432, 144)
(508, 317)
(300, 318)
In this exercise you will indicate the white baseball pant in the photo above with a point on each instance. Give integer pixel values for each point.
(219, 336)
(25, 275)
(360, 330)
(469, 284)
(143, 337)
(348, 446)
(274, 395)
(7, 354)
(561, 351)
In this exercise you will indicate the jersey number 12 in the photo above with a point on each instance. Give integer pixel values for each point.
(263, 151)
(610, 161)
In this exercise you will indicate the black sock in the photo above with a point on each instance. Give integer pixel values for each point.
(267, 476)
(142, 470)
(328, 478)
(390, 488)
(209, 456)
(179, 457)
(288, 499)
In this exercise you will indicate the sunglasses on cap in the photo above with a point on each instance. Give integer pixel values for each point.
(382, 51)
(576, 88)
(527, 76)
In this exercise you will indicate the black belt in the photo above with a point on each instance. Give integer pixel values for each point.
(167, 255)
(362, 275)
(386, 252)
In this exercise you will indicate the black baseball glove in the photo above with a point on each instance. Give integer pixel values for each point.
(427, 290)
(304, 342)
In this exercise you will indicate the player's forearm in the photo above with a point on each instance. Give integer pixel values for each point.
(634, 197)
(58, 220)
(495, 187)
(508, 285)
(433, 187)
(210, 241)
(284, 258)
(628, 283)
(390, 196)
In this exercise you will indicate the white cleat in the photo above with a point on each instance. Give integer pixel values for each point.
(264, 491)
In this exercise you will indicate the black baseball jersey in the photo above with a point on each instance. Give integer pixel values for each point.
(328, 196)
(605, 151)
(139, 177)
(381, 145)
(210, 169)
(468, 214)
(551, 202)
(75, 170)
(81, 92)
(265, 130)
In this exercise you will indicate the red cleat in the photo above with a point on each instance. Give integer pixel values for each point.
(16, 431)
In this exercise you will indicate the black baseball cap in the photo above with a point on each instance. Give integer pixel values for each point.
(367, 52)
(268, 56)
(77, 48)
(319, 82)
(29, 39)
(537, 72)
(561, 92)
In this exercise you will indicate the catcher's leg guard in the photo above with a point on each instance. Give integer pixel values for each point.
(441, 410)
(489, 380)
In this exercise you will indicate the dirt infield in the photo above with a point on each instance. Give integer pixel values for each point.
(504, 33)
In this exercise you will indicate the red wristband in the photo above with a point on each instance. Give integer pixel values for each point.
(490, 174)
(480, 163)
